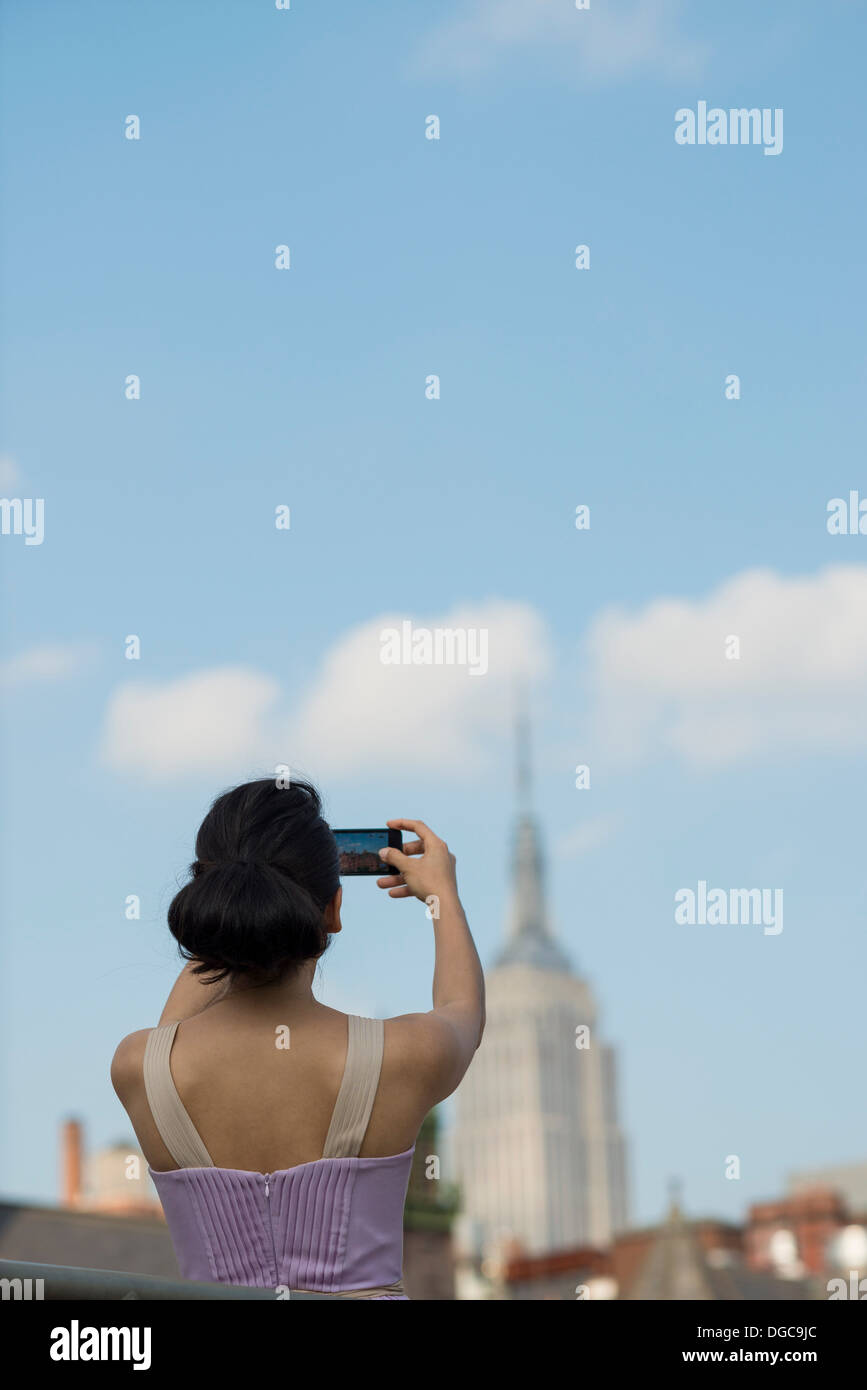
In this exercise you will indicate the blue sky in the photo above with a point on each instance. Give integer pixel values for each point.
(559, 387)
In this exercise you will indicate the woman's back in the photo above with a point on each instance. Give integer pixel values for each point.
(259, 1078)
(325, 1222)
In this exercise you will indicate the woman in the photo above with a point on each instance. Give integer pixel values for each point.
(279, 1133)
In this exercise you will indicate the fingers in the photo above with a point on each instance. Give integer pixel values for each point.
(396, 887)
(417, 827)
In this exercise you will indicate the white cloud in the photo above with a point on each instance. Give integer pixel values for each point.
(600, 43)
(358, 714)
(424, 717)
(209, 721)
(661, 682)
(47, 662)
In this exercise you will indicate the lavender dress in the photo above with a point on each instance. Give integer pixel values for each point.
(331, 1226)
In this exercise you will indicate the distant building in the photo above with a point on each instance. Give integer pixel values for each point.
(539, 1151)
(794, 1234)
(848, 1179)
(563, 1277)
(109, 1216)
(698, 1261)
(113, 1179)
(681, 1260)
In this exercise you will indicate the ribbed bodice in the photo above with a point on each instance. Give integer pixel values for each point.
(330, 1226)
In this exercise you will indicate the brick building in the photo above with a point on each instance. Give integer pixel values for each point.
(796, 1230)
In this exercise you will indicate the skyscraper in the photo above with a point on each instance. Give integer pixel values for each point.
(539, 1151)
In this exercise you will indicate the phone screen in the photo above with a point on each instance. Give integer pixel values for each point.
(359, 850)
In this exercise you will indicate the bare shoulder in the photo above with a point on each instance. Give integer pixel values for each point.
(127, 1064)
(416, 1036)
(426, 1050)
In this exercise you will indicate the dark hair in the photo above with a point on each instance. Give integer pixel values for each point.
(266, 867)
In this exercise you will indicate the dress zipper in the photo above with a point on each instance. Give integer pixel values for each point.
(270, 1222)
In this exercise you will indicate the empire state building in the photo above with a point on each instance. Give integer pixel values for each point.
(538, 1146)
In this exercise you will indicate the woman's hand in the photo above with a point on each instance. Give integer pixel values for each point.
(430, 874)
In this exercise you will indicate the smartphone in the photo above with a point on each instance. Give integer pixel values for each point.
(359, 850)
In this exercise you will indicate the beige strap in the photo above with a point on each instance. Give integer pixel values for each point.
(358, 1088)
(176, 1129)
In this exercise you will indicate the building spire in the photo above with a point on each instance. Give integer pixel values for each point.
(675, 1197)
(523, 779)
(529, 939)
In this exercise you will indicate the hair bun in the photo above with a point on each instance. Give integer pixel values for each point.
(260, 924)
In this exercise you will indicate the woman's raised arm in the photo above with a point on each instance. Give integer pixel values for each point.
(455, 1025)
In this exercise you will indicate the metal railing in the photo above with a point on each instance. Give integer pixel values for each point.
(21, 1280)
